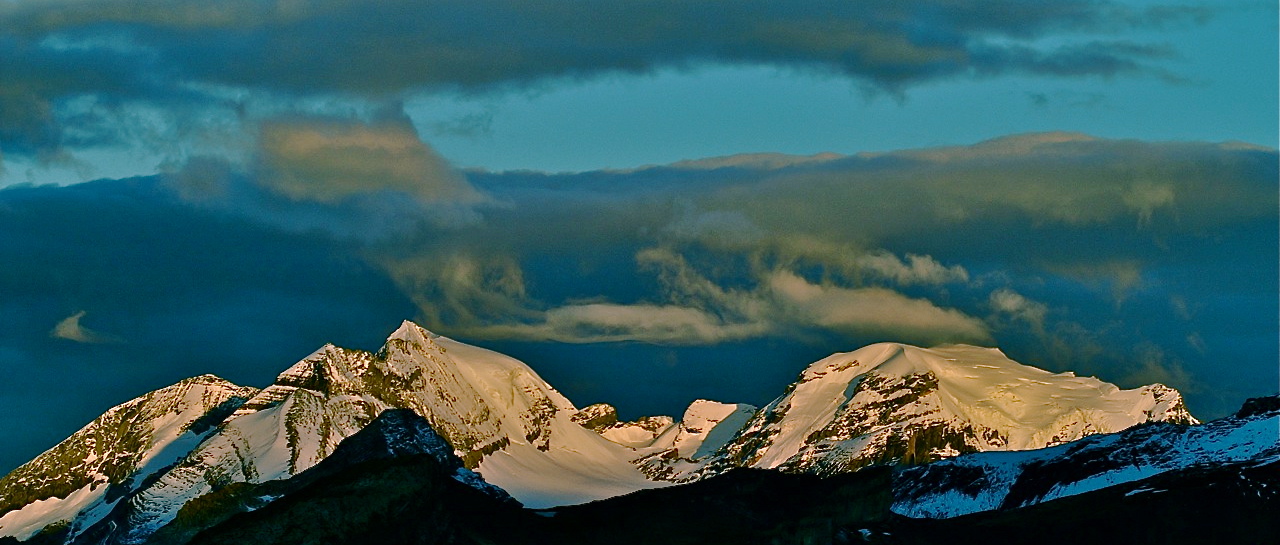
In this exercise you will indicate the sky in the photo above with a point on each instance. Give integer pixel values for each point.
(648, 201)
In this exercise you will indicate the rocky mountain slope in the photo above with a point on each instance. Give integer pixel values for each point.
(134, 470)
(113, 456)
(1007, 480)
(888, 403)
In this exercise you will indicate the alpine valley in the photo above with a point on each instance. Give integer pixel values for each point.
(430, 440)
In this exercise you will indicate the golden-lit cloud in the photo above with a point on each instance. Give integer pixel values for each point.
(328, 160)
(874, 311)
(72, 330)
(698, 310)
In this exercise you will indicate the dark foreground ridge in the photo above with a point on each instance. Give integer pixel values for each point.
(398, 482)
(408, 500)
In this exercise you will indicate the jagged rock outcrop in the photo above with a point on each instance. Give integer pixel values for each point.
(683, 448)
(597, 417)
(602, 418)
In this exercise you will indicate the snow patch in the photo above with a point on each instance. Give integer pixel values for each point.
(35, 516)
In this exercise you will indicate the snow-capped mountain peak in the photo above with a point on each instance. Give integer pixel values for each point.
(410, 331)
(496, 412)
(984, 386)
(708, 425)
(896, 402)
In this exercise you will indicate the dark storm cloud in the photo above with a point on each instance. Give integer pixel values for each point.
(118, 50)
(36, 79)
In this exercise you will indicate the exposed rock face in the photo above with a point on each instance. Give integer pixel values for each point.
(395, 437)
(1259, 405)
(398, 433)
(597, 417)
(683, 448)
(1154, 483)
(1215, 483)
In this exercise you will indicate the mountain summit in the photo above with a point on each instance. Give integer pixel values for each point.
(131, 471)
(894, 403)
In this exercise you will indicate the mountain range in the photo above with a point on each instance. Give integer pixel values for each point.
(887, 440)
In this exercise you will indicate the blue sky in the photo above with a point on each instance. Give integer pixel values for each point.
(221, 187)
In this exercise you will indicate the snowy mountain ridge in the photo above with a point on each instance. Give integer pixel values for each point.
(882, 403)
(894, 403)
(88, 472)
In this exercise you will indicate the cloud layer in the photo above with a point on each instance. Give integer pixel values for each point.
(699, 310)
(78, 72)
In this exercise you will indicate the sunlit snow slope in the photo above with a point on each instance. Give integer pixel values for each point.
(892, 402)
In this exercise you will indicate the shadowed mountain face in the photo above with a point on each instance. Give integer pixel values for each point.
(1201, 502)
(1232, 503)
(411, 500)
(1190, 496)
(380, 485)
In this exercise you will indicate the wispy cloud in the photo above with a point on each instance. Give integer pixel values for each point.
(915, 269)
(1154, 365)
(371, 180)
(874, 311)
(1121, 277)
(72, 330)
(699, 310)
(609, 322)
(1015, 305)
